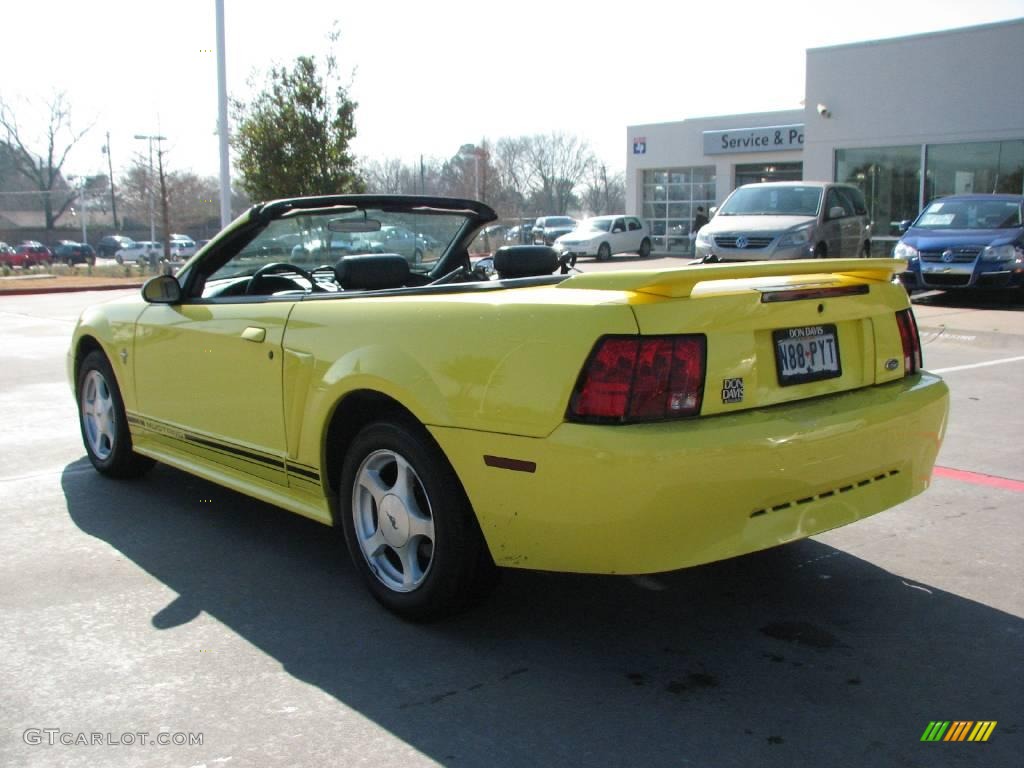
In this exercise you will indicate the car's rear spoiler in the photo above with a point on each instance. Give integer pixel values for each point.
(678, 283)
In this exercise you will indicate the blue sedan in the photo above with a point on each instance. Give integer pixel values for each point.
(965, 241)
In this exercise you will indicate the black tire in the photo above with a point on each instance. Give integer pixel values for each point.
(604, 252)
(416, 577)
(645, 248)
(820, 251)
(105, 434)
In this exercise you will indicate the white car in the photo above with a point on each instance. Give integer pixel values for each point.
(141, 251)
(604, 236)
(182, 246)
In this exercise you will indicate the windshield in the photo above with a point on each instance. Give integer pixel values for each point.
(602, 225)
(773, 201)
(970, 214)
(310, 240)
(558, 221)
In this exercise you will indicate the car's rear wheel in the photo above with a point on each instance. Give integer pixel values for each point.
(645, 248)
(104, 424)
(604, 252)
(417, 256)
(409, 527)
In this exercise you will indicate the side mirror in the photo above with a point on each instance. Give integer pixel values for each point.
(483, 269)
(836, 212)
(904, 225)
(712, 210)
(162, 289)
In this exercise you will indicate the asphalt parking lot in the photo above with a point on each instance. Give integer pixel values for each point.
(174, 608)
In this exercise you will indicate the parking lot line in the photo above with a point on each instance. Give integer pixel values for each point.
(978, 365)
(993, 481)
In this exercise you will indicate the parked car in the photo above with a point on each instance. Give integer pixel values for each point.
(146, 251)
(182, 246)
(108, 246)
(604, 236)
(521, 232)
(965, 241)
(787, 220)
(6, 254)
(28, 253)
(70, 252)
(434, 414)
(547, 229)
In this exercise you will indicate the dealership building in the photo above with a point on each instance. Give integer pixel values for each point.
(905, 119)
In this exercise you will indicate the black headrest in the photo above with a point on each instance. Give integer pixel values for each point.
(525, 260)
(372, 271)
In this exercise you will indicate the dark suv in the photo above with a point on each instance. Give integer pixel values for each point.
(547, 229)
(111, 244)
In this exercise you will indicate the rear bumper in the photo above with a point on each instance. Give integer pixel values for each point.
(659, 497)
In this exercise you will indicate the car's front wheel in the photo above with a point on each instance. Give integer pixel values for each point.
(645, 248)
(408, 525)
(604, 252)
(104, 424)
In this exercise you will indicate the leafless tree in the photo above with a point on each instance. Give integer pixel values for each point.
(43, 169)
(603, 193)
(557, 164)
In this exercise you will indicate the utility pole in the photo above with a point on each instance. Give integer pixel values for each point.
(110, 167)
(152, 211)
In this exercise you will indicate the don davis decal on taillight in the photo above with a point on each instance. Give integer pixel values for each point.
(631, 379)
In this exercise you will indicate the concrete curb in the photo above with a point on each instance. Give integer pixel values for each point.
(67, 289)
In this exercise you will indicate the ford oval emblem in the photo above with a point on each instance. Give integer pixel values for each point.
(892, 364)
(742, 242)
(947, 256)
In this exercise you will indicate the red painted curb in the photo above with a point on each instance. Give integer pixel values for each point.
(992, 481)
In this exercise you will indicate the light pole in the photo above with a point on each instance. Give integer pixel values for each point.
(149, 182)
(81, 207)
(222, 119)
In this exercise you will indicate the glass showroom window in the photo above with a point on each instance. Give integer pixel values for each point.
(890, 178)
(989, 166)
(671, 197)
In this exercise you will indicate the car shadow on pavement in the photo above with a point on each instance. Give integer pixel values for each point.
(801, 655)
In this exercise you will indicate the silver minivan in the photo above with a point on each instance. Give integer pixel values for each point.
(787, 220)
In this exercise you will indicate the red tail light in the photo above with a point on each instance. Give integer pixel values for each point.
(911, 341)
(640, 378)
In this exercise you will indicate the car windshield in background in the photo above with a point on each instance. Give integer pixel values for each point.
(312, 240)
(773, 201)
(964, 214)
(596, 224)
(558, 221)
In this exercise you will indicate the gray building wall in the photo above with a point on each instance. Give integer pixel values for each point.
(947, 87)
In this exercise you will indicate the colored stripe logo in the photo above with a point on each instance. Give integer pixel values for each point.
(959, 730)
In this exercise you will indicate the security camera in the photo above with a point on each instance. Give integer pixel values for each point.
(823, 111)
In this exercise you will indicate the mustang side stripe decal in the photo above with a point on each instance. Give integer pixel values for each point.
(302, 470)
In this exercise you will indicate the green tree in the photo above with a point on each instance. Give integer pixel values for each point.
(293, 138)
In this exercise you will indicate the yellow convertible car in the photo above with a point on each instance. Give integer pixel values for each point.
(453, 418)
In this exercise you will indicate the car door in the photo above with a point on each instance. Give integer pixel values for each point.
(208, 375)
(635, 234)
(836, 224)
(211, 375)
(618, 236)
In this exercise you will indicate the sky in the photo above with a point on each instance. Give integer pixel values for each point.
(431, 76)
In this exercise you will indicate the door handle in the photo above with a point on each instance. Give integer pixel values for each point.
(255, 334)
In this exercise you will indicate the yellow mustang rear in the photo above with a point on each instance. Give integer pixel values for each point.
(450, 420)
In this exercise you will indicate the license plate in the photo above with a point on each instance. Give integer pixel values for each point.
(807, 354)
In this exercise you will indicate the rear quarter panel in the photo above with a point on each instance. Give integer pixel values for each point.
(503, 361)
